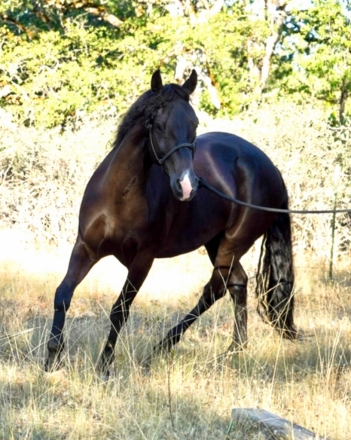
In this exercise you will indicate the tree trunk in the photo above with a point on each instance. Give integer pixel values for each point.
(344, 94)
(274, 14)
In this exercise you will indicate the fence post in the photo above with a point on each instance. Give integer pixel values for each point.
(331, 262)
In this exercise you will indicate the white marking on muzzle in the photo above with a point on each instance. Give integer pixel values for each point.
(186, 187)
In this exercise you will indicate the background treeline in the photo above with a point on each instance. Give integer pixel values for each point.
(63, 59)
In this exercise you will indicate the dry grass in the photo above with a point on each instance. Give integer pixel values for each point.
(189, 394)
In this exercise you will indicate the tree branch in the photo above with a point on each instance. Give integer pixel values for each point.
(20, 26)
(92, 8)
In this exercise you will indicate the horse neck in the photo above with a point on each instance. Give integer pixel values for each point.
(130, 160)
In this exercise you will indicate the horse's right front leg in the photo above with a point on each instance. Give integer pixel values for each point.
(137, 273)
(79, 266)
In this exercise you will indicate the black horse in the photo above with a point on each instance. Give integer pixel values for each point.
(143, 202)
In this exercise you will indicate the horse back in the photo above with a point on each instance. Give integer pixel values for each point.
(239, 169)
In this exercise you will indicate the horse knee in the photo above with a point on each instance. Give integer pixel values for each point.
(63, 298)
(238, 293)
(212, 293)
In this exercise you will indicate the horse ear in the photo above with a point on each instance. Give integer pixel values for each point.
(156, 81)
(190, 83)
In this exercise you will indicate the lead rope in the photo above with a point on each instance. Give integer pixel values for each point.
(203, 184)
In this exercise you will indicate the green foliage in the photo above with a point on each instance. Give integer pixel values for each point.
(64, 59)
(316, 54)
(57, 78)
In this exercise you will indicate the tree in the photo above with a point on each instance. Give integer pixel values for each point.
(270, 18)
(243, 50)
(32, 17)
(316, 54)
(47, 70)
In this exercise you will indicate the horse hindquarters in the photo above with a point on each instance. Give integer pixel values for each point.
(275, 277)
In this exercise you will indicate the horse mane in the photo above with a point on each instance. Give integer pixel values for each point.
(145, 107)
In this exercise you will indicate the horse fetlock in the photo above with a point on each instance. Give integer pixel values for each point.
(292, 334)
(237, 346)
(55, 345)
(106, 359)
(53, 361)
(146, 366)
(165, 346)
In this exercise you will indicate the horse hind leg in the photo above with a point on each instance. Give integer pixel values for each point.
(79, 265)
(233, 245)
(237, 286)
(213, 290)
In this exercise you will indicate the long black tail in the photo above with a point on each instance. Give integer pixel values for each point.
(275, 277)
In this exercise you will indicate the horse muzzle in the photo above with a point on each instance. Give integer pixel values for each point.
(185, 187)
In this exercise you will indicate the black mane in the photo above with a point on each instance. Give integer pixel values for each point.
(146, 106)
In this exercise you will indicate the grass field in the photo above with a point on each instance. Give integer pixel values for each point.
(190, 393)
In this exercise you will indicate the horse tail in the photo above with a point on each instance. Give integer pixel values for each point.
(275, 276)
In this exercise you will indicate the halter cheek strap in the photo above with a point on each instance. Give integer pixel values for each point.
(162, 160)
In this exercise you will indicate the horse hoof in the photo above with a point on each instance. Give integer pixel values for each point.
(102, 370)
(104, 376)
(292, 334)
(54, 364)
(146, 367)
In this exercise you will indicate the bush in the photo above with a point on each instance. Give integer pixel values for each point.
(44, 172)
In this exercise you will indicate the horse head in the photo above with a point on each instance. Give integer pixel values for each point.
(172, 133)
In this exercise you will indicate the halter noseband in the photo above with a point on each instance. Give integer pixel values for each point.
(161, 161)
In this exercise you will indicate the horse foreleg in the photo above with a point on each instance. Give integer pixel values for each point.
(79, 266)
(137, 273)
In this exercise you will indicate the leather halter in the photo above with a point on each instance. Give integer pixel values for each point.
(162, 160)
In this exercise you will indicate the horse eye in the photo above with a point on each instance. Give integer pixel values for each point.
(158, 127)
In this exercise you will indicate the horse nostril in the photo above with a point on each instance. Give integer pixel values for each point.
(180, 189)
(186, 187)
